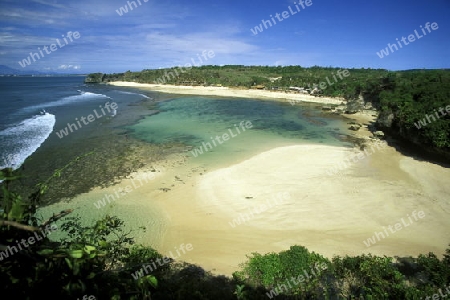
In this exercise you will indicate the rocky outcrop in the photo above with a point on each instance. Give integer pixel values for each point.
(355, 105)
(354, 126)
(379, 134)
(408, 136)
(95, 78)
(385, 119)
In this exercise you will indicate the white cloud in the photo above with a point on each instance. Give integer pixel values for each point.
(69, 67)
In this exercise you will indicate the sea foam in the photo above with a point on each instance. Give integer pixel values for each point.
(23, 139)
(84, 96)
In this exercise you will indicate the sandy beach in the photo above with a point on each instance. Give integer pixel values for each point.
(304, 203)
(332, 215)
(228, 92)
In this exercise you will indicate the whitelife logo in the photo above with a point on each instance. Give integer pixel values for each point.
(31, 240)
(197, 151)
(342, 74)
(352, 159)
(437, 297)
(280, 17)
(398, 226)
(35, 56)
(188, 66)
(111, 108)
(411, 38)
(431, 118)
(108, 198)
(86, 297)
(124, 9)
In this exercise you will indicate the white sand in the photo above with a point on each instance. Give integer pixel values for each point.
(331, 215)
(228, 92)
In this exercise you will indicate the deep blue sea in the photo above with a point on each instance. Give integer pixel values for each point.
(36, 110)
(32, 108)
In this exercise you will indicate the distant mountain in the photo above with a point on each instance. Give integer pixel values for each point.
(5, 70)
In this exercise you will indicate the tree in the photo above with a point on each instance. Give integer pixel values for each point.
(92, 260)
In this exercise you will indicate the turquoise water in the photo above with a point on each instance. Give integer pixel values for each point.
(192, 121)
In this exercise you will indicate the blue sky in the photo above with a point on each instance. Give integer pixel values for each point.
(339, 33)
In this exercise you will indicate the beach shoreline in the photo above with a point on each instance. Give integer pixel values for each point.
(331, 214)
(229, 92)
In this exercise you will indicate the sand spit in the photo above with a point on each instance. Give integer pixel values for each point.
(329, 214)
(282, 197)
(229, 92)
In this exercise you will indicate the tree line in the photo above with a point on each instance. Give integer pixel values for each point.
(412, 104)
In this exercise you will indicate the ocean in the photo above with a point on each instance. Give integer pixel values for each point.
(49, 121)
(200, 122)
(34, 109)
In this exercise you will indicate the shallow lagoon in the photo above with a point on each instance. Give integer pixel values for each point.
(195, 121)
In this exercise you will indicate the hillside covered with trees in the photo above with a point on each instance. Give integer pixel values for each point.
(413, 105)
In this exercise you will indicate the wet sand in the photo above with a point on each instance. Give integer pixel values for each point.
(332, 214)
(329, 214)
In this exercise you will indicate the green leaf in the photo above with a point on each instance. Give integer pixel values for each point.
(152, 280)
(103, 244)
(45, 252)
(88, 249)
(76, 253)
(43, 189)
(17, 209)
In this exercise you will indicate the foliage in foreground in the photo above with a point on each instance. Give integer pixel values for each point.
(100, 259)
(93, 260)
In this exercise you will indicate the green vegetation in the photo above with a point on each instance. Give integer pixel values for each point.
(92, 260)
(360, 277)
(99, 260)
(401, 97)
(94, 78)
(271, 78)
(407, 97)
